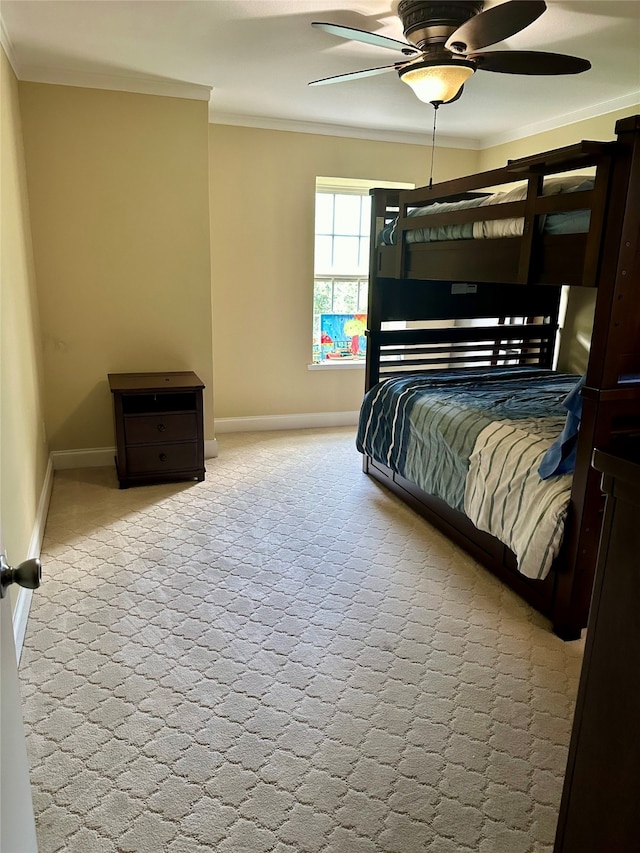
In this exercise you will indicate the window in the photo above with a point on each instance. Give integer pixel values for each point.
(341, 268)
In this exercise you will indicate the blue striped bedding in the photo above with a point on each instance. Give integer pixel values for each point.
(426, 428)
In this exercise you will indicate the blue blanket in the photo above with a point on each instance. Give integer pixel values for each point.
(425, 427)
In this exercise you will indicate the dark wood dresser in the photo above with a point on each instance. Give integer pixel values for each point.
(159, 427)
(600, 809)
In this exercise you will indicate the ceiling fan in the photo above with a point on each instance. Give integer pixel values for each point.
(443, 40)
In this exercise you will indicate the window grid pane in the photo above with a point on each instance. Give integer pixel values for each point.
(323, 254)
(324, 213)
(365, 214)
(347, 215)
(346, 255)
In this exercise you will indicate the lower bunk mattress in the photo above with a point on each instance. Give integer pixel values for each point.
(475, 439)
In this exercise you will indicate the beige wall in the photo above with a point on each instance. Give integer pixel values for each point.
(118, 188)
(573, 355)
(262, 211)
(23, 446)
(601, 128)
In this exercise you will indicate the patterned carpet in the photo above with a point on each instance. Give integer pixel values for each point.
(283, 659)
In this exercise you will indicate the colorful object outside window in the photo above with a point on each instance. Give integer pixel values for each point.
(342, 336)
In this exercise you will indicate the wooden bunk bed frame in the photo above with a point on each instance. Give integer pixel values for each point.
(456, 282)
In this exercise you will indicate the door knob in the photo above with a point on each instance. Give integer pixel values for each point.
(27, 574)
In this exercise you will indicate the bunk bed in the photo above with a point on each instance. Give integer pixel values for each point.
(433, 318)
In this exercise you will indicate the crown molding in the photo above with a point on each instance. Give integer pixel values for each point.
(465, 143)
(321, 129)
(593, 111)
(114, 82)
(7, 46)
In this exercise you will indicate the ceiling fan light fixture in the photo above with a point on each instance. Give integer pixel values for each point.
(437, 81)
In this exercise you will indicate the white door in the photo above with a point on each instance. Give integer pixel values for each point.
(17, 825)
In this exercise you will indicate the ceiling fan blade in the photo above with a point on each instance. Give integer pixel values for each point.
(355, 75)
(529, 62)
(494, 25)
(366, 37)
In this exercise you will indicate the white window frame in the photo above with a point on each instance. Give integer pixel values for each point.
(345, 186)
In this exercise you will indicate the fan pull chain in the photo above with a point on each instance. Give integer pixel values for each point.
(433, 141)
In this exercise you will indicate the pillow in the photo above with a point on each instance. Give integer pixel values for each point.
(567, 184)
(501, 227)
(514, 227)
(560, 458)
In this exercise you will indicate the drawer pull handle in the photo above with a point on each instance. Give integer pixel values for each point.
(161, 428)
(163, 457)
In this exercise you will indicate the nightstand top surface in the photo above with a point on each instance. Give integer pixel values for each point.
(171, 381)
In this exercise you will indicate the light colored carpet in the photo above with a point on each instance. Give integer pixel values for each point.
(283, 658)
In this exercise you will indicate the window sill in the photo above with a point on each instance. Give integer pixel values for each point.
(338, 364)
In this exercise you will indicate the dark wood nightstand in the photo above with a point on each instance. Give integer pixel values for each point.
(159, 427)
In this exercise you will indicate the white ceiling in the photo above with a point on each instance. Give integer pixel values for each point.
(252, 59)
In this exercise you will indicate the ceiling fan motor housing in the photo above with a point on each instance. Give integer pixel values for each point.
(429, 25)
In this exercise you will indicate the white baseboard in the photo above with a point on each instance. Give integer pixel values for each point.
(279, 422)
(102, 457)
(99, 457)
(95, 457)
(23, 603)
(20, 618)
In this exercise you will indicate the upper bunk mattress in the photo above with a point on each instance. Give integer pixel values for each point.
(475, 439)
(565, 222)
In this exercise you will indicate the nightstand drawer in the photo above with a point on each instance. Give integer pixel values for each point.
(158, 458)
(162, 428)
